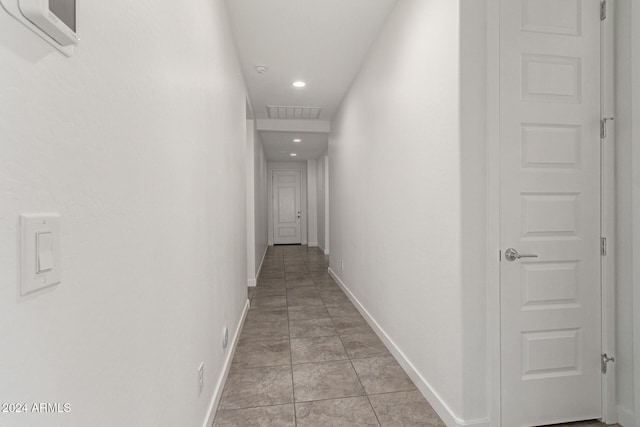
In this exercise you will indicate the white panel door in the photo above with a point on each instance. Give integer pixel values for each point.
(550, 207)
(286, 207)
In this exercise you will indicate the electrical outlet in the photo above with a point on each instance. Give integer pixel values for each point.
(225, 337)
(200, 377)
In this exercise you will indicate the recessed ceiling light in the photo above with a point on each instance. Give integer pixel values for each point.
(297, 140)
(299, 84)
(293, 154)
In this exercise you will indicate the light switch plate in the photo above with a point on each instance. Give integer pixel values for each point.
(39, 252)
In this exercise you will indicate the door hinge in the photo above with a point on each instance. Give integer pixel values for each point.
(603, 10)
(500, 255)
(603, 126)
(604, 361)
(603, 246)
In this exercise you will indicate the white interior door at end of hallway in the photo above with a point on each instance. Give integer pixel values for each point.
(550, 209)
(286, 207)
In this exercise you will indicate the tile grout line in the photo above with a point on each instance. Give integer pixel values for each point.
(286, 307)
(325, 306)
(366, 394)
(331, 318)
(375, 414)
(293, 388)
(218, 410)
(254, 407)
(324, 400)
(295, 407)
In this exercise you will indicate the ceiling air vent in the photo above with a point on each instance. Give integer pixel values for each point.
(289, 112)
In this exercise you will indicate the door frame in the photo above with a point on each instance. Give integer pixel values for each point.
(298, 195)
(280, 167)
(494, 392)
(607, 217)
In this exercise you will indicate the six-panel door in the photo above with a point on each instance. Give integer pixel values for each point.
(550, 207)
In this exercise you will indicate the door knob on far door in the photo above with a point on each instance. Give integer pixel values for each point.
(512, 255)
(298, 214)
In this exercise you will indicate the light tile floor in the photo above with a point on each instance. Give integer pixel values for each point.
(306, 357)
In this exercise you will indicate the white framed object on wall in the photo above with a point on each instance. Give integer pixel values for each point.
(53, 20)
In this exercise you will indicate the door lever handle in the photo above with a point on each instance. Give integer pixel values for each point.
(512, 255)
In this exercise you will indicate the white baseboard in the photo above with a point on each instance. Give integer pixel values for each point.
(626, 418)
(251, 283)
(441, 408)
(217, 394)
(313, 244)
(264, 254)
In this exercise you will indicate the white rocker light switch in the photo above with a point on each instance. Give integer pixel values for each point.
(39, 252)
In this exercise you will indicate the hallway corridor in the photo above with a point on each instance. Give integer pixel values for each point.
(306, 357)
(175, 174)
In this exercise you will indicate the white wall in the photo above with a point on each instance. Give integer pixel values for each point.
(635, 119)
(625, 270)
(327, 219)
(261, 202)
(138, 141)
(298, 166)
(474, 196)
(312, 203)
(252, 263)
(398, 191)
(321, 205)
(256, 203)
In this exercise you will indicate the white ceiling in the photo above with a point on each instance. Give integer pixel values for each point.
(278, 146)
(321, 42)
